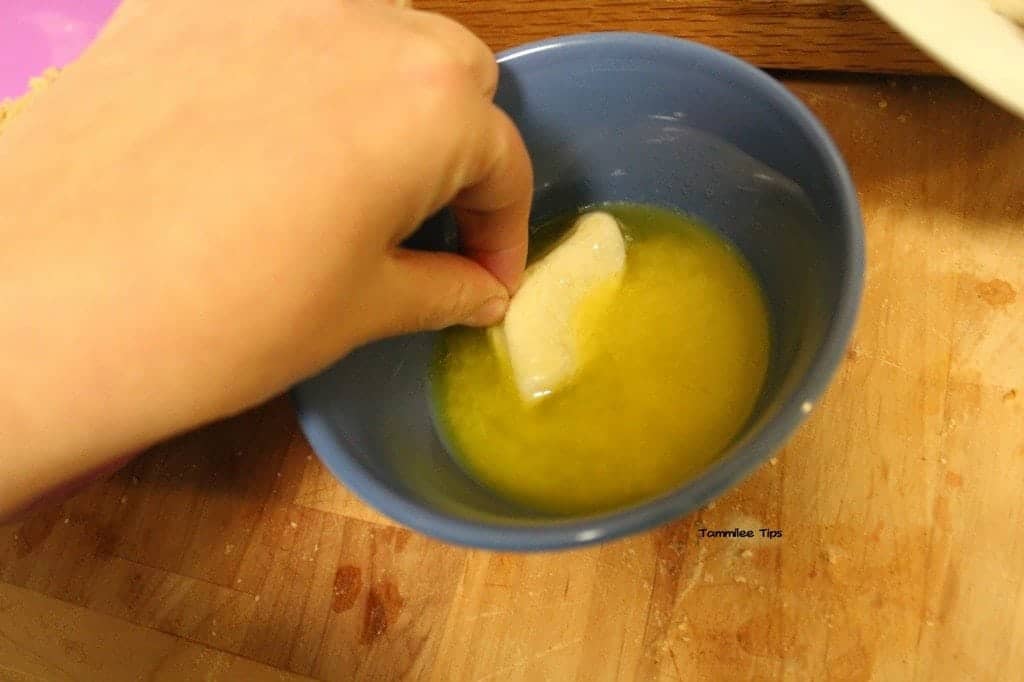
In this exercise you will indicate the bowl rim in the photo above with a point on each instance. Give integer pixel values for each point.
(736, 464)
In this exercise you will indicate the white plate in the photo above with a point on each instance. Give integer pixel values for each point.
(969, 38)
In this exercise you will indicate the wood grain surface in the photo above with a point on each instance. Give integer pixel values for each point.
(230, 553)
(840, 35)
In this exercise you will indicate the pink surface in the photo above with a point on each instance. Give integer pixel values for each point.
(35, 34)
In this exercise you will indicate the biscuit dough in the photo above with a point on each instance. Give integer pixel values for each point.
(538, 333)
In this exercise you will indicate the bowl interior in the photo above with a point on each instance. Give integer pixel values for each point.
(618, 117)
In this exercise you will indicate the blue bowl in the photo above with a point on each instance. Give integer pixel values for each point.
(639, 118)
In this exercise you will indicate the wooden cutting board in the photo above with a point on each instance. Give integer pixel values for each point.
(839, 35)
(231, 554)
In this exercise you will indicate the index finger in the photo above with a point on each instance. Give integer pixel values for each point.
(493, 211)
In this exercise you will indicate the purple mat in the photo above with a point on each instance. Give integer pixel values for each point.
(35, 34)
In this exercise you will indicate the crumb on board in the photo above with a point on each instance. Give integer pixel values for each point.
(9, 108)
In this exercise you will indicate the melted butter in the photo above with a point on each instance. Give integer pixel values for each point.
(673, 363)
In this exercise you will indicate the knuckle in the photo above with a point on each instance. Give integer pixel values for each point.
(489, 71)
(448, 310)
(437, 66)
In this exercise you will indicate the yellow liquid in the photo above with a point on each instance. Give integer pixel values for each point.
(674, 363)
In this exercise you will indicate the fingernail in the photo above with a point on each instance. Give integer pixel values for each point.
(491, 312)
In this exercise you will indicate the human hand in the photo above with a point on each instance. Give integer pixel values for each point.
(207, 207)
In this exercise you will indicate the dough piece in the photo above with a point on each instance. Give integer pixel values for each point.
(1011, 9)
(538, 331)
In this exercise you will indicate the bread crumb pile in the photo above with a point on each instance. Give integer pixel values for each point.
(9, 108)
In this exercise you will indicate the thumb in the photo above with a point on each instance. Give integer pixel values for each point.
(431, 290)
